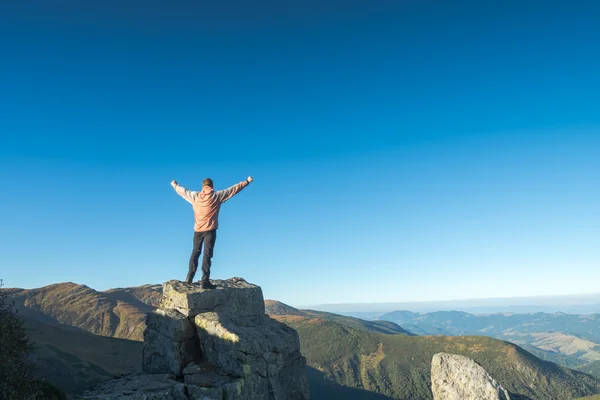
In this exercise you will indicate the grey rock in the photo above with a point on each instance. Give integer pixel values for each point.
(170, 343)
(455, 377)
(213, 344)
(170, 323)
(205, 375)
(161, 355)
(234, 297)
(138, 387)
(204, 393)
(263, 352)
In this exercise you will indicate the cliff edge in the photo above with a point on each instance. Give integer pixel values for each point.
(213, 344)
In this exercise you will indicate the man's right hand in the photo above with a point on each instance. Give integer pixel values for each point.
(173, 183)
(250, 179)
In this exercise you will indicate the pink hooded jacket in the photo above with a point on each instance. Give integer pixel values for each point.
(207, 203)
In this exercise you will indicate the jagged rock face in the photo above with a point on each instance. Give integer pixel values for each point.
(170, 343)
(455, 377)
(264, 349)
(214, 344)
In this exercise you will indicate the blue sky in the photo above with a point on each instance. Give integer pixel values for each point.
(402, 151)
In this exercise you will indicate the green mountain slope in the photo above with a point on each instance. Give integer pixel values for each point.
(74, 360)
(356, 323)
(398, 366)
(274, 307)
(592, 368)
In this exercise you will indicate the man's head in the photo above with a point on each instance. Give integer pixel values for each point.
(208, 182)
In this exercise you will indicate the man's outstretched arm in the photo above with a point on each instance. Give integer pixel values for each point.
(224, 195)
(183, 192)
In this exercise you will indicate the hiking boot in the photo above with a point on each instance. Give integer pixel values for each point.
(207, 285)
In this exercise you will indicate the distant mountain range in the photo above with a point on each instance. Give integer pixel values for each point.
(76, 330)
(567, 339)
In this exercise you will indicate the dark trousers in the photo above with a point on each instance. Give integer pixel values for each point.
(208, 238)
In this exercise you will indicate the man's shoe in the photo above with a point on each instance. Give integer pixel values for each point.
(208, 285)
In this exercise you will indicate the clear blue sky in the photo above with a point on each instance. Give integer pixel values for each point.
(402, 150)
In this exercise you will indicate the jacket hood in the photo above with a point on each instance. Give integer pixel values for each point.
(206, 191)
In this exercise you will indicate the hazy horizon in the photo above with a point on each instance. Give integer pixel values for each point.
(402, 151)
(588, 303)
(552, 296)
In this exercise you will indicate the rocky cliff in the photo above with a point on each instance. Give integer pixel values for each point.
(213, 344)
(455, 377)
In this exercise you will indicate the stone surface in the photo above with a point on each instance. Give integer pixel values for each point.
(213, 344)
(234, 297)
(170, 343)
(455, 377)
(205, 375)
(263, 352)
(202, 393)
(225, 341)
(139, 387)
(170, 323)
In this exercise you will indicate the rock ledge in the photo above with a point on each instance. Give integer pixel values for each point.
(234, 297)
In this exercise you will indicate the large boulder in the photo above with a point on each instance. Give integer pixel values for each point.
(213, 344)
(455, 377)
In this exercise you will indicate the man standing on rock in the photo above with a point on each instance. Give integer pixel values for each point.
(206, 204)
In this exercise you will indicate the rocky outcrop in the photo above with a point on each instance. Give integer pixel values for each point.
(213, 344)
(455, 377)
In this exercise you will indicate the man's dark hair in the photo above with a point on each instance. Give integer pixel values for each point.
(208, 182)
